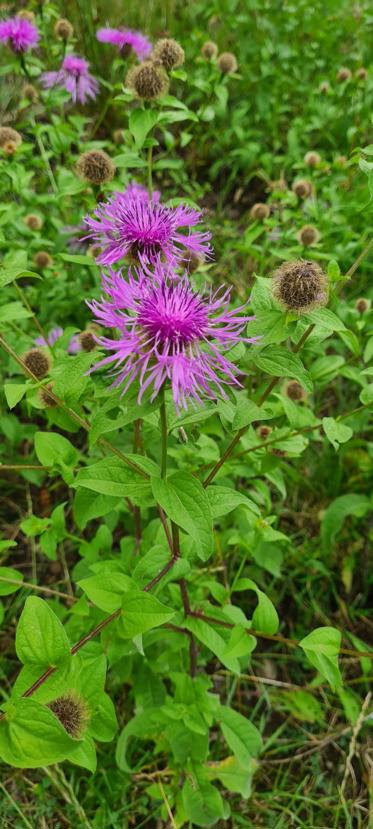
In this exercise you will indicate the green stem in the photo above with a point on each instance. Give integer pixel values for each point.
(150, 171)
(164, 433)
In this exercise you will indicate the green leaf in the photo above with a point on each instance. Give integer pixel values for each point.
(13, 311)
(140, 122)
(106, 590)
(279, 362)
(78, 259)
(201, 800)
(351, 704)
(141, 612)
(8, 275)
(223, 500)
(240, 734)
(247, 411)
(56, 451)
(336, 513)
(336, 432)
(366, 395)
(326, 318)
(265, 617)
(111, 476)
(32, 736)
(212, 640)
(321, 647)
(303, 706)
(240, 643)
(14, 393)
(185, 501)
(8, 573)
(41, 638)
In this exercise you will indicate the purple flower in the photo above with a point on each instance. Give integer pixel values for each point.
(74, 345)
(127, 224)
(52, 337)
(126, 37)
(167, 331)
(21, 34)
(74, 77)
(137, 191)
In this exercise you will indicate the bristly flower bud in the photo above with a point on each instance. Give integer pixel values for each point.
(363, 305)
(148, 80)
(308, 235)
(25, 14)
(95, 166)
(361, 74)
(43, 260)
(9, 134)
(209, 50)
(227, 63)
(302, 188)
(344, 74)
(72, 712)
(324, 87)
(118, 136)
(260, 211)
(300, 286)
(264, 431)
(33, 222)
(294, 391)
(46, 398)
(29, 92)
(169, 53)
(9, 148)
(312, 158)
(37, 361)
(63, 29)
(341, 160)
(87, 340)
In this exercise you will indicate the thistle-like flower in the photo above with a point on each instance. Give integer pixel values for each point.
(74, 77)
(126, 40)
(148, 81)
(168, 332)
(133, 225)
(95, 166)
(72, 711)
(227, 63)
(260, 211)
(169, 53)
(209, 50)
(38, 362)
(294, 391)
(312, 158)
(43, 260)
(300, 286)
(63, 29)
(20, 34)
(9, 134)
(308, 235)
(52, 337)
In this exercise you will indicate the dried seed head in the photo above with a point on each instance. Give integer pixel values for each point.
(9, 134)
(42, 260)
(302, 188)
(29, 92)
(46, 398)
(344, 74)
(95, 166)
(294, 391)
(279, 184)
(148, 80)
(72, 712)
(341, 160)
(169, 53)
(63, 29)
(264, 431)
(87, 340)
(324, 87)
(33, 222)
(260, 211)
(9, 148)
(118, 136)
(227, 63)
(37, 361)
(363, 305)
(26, 15)
(308, 235)
(209, 50)
(312, 159)
(361, 74)
(300, 286)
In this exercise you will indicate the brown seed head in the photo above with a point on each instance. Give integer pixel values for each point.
(300, 286)
(308, 235)
(9, 134)
(209, 50)
(169, 53)
(260, 211)
(302, 188)
(361, 74)
(147, 80)
(10, 147)
(294, 391)
(324, 87)
(264, 431)
(26, 15)
(95, 166)
(29, 92)
(33, 222)
(312, 159)
(363, 305)
(87, 340)
(227, 63)
(344, 74)
(63, 29)
(118, 136)
(43, 260)
(37, 361)
(72, 712)
(46, 398)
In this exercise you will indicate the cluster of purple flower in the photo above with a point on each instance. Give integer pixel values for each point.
(20, 34)
(165, 330)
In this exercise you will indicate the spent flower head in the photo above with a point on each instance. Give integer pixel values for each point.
(167, 332)
(38, 362)
(260, 211)
(227, 63)
(209, 50)
(169, 53)
(9, 134)
(300, 286)
(95, 166)
(126, 40)
(63, 29)
(20, 34)
(74, 76)
(147, 81)
(72, 711)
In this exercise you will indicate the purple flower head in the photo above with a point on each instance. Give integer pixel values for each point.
(123, 38)
(52, 337)
(138, 191)
(168, 332)
(21, 34)
(74, 77)
(146, 230)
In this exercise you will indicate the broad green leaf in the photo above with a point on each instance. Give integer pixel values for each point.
(326, 318)
(78, 259)
(8, 275)
(212, 640)
(141, 612)
(14, 393)
(336, 432)
(240, 643)
(41, 638)
(140, 122)
(336, 513)
(240, 734)
(202, 802)
(106, 589)
(232, 775)
(279, 362)
(265, 617)
(56, 451)
(13, 311)
(185, 501)
(32, 736)
(7, 576)
(223, 500)
(321, 647)
(112, 477)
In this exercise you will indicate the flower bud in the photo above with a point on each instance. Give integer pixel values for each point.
(264, 431)
(72, 712)
(312, 159)
(294, 391)
(9, 134)
(29, 92)
(260, 211)
(302, 188)
(209, 50)
(308, 235)
(169, 53)
(87, 340)
(363, 305)
(324, 87)
(227, 63)
(45, 398)
(147, 80)
(300, 286)
(361, 74)
(37, 361)
(95, 166)
(43, 260)
(344, 74)
(33, 222)
(63, 29)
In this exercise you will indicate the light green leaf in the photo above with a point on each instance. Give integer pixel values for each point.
(279, 362)
(336, 432)
(265, 617)
(185, 501)
(240, 734)
(106, 590)
(334, 516)
(32, 736)
(111, 476)
(7, 576)
(14, 393)
(321, 647)
(140, 122)
(141, 612)
(41, 638)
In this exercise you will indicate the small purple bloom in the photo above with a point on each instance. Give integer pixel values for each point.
(74, 77)
(168, 332)
(74, 345)
(126, 38)
(21, 34)
(145, 229)
(52, 337)
(138, 191)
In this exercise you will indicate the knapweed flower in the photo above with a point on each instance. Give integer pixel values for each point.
(74, 77)
(126, 39)
(227, 63)
(308, 235)
(294, 391)
(20, 34)
(312, 158)
(37, 362)
(300, 286)
(168, 332)
(9, 134)
(302, 188)
(169, 53)
(133, 225)
(33, 222)
(43, 260)
(52, 337)
(209, 50)
(147, 81)
(260, 211)
(95, 166)
(72, 711)
(63, 29)
(363, 305)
